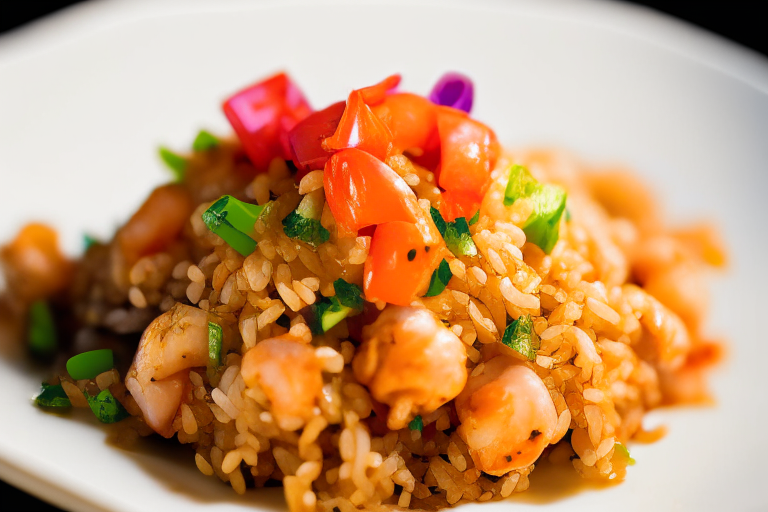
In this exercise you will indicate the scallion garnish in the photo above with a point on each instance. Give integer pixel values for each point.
(214, 344)
(439, 280)
(331, 311)
(233, 221)
(106, 407)
(522, 338)
(204, 141)
(90, 364)
(416, 423)
(176, 163)
(89, 241)
(304, 222)
(52, 396)
(456, 234)
(41, 330)
(542, 227)
(475, 218)
(623, 452)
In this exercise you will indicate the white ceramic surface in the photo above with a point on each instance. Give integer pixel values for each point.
(87, 95)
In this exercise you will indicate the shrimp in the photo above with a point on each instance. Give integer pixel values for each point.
(289, 374)
(507, 416)
(670, 341)
(410, 361)
(151, 229)
(35, 267)
(175, 341)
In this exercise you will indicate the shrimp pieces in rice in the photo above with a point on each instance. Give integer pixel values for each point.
(175, 341)
(288, 372)
(507, 416)
(411, 362)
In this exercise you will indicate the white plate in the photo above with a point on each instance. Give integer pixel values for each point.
(86, 96)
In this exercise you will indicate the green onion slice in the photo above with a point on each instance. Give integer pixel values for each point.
(41, 330)
(439, 280)
(106, 407)
(214, 344)
(329, 312)
(456, 234)
(416, 424)
(475, 218)
(304, 229)
(542, 227)
(204, 141)
(233, 221)
(89, 241)
(304, 222)
(52, 396)
(176, 163)
(522, 338)
(623, 452)
(90, 364)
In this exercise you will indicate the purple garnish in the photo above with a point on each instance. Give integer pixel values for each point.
(453, 90)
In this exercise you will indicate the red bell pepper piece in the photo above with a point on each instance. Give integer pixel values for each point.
(374, 94)
(456, 204)
(360, 128)
(412, 119)
(400, 263)
(468, 152)
(307, 137)
(263, 114)
(363, 191)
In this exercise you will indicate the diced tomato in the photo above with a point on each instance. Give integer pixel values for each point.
(360, 128)
(399, 264)
(263, 114)
(374, 94)
(362, 191)
(307, 137)
(412, 119)
(468, 152)
(456, 204)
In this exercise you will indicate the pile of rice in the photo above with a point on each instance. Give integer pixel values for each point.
(617, 305)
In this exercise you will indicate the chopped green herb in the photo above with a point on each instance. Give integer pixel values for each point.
(331, 311)
(348, 294)
(52, 397)
(89, 364)
(106, 407)
(204, 141)
(304, 222)
(214, 344)
(304, 229)
(438, 220)
(175, 162)
(439, 280)
(568, 216)
(542, 227)
(233, 221)
(521, 337)
(623, 452)
(456, 234)
(416, 424)
(89, 241)
(475, 218)
(41, 330)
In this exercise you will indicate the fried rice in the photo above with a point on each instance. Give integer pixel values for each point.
(420, 405)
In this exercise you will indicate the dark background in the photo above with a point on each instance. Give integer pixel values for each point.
(739, 21)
